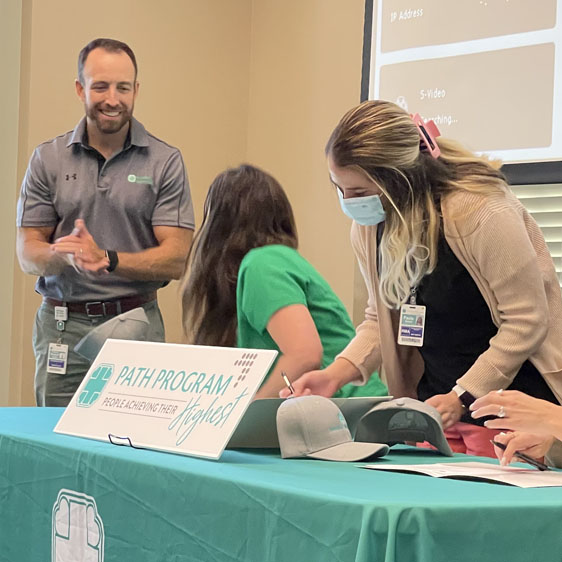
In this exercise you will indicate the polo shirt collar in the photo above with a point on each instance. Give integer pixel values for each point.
(137, 134)
(78, 133)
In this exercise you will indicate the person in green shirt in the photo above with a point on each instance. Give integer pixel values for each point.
(246, 285)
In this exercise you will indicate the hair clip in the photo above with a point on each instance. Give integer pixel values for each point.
(428, 132)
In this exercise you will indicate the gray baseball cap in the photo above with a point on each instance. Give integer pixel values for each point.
(313, 426)
(403, 419)
(131, 325)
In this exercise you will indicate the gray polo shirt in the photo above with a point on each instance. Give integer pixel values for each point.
(120, 200)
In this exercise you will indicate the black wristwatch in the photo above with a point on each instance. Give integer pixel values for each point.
(113, 258)
(466, 399)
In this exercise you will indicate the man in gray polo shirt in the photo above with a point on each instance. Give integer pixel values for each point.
(104, 219)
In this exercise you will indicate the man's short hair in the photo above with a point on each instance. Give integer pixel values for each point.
(111, 45)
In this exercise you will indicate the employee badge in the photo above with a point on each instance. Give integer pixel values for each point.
(57, 358)
(412, 325)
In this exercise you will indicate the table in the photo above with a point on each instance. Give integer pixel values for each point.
(61, 495)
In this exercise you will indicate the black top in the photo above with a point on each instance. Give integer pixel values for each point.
(458, 328)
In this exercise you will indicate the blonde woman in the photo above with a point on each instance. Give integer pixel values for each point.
(439, 236)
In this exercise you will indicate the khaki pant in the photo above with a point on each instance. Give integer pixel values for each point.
(57, 390)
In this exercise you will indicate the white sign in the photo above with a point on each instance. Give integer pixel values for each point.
(185, 399)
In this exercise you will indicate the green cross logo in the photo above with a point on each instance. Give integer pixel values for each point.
(96, 383)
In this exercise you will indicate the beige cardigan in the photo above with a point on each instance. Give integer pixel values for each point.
(504, 251)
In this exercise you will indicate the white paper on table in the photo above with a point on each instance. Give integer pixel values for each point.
(513, 475)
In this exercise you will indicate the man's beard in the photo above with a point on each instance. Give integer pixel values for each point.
(109, 126)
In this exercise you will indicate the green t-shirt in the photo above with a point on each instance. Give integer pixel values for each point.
(273, 277)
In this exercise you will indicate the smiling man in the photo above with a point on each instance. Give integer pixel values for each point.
(104, 220)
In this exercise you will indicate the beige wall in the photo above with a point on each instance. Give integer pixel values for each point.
(10, 40)
(193, 70)
(226, 81)
(305, 73)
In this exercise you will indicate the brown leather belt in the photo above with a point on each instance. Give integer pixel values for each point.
(97, 309)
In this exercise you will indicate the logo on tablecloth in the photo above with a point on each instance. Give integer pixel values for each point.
(78, 533)
(96, 383)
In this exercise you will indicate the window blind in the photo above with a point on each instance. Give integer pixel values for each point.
(544, 203)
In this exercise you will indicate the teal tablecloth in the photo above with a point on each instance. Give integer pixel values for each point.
(252, 506)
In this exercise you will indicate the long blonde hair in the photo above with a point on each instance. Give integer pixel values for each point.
(379, 139)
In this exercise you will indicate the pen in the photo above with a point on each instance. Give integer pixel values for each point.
(288, 382)
(523, 457)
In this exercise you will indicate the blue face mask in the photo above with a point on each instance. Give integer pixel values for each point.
(366, 211)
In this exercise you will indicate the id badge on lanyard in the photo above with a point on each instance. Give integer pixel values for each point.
(412, 322)
(57, 358)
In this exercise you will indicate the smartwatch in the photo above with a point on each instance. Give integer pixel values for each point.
(113, 258)
(464, 396)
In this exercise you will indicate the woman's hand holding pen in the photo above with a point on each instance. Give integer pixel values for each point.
(323, 382)
(313, 382)
(535, 423)
(531, 444)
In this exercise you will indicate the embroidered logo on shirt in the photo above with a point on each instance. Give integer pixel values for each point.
(139, 179)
